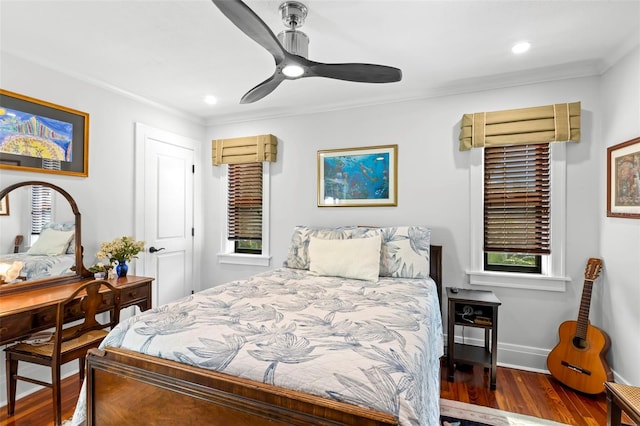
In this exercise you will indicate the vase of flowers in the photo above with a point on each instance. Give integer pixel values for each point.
(122, 268)
(120, 251)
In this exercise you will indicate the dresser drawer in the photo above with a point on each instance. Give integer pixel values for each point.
(45, 316)
(16, 326)
(73, 311)
(132, 295)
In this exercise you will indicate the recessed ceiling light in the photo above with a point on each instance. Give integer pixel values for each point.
(211, 100)
(521, 47)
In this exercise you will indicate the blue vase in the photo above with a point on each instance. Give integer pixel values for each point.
(122, 268)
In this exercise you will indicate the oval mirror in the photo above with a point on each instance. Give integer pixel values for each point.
(40, 237)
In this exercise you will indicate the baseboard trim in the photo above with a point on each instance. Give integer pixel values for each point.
(521, 357)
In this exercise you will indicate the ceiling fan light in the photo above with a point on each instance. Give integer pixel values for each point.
(521, 47)
(293, 70)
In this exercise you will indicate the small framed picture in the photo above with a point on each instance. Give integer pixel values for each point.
(4, 206)
(358, 177)
(623, 179)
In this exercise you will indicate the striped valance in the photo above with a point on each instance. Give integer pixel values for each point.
(543, 124)
(250, 149)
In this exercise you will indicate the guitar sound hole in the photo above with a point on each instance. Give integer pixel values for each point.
(580, 343)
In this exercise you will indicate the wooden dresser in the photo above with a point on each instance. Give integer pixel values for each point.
(22, 314)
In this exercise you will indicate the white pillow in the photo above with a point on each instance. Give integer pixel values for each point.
(357, 258)
(51, 242)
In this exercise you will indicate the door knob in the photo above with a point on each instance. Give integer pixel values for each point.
(153, 249)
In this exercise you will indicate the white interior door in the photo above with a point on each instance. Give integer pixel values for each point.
(167, 194)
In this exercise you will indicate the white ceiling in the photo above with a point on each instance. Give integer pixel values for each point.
(173, 53)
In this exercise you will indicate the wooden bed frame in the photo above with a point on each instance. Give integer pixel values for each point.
(129, 388)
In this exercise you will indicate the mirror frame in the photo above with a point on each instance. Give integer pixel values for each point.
(81, 271)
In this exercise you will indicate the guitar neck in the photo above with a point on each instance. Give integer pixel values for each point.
(585, 306)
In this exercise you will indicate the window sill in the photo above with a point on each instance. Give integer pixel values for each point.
(244, 259)
(515, 280)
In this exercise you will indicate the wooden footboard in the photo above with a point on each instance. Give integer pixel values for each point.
(129, 388)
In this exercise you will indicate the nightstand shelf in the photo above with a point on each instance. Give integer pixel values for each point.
(472, 354)
(478, 309)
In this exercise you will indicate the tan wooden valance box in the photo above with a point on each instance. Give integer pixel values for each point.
(249, 149)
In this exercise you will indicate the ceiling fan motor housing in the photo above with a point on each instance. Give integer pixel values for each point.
(293, 14)
(295, 42)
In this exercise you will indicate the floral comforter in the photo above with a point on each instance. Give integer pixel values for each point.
(285, 327)
(41, 266)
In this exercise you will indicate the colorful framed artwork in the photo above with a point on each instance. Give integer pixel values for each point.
(39, 136)
(4, 206)
(358, 177)
(623, 179)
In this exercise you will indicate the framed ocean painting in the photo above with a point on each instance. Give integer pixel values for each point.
(358, 177)
(39, 136)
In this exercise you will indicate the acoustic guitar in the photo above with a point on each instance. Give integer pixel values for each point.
(579, 359)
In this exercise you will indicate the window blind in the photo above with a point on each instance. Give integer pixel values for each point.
(517, 199)
(40, 207)
(245, 201)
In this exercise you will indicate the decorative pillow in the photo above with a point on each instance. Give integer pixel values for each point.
(357, 258)
(66, 226)
(51, 242)
(405, 252)
(299, 248)
(298, 257)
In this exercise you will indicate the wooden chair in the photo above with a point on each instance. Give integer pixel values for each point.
(67, 342)
(622, 398)
(17, 242)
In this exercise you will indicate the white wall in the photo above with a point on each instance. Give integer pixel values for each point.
(105, 198)
(433, 190)
(620, 243)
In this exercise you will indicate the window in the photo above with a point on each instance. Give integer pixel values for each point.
(517, 207)
(40, 208)
(524, 185)
(42, 202)
(247, 194)
(244, 207)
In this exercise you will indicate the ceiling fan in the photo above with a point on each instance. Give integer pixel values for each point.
(290, 49)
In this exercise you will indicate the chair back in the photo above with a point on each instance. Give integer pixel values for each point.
(94, 295)
(17, 242)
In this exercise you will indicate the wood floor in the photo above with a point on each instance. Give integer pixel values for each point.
(524, 392)
(517, 391)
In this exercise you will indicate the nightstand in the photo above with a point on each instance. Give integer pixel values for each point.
(479, 309)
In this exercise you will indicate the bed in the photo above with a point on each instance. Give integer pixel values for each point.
(288, 346)
(53, 254)
(40, 266)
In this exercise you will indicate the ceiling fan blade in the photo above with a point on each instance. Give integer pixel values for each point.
(249, 23)
(263, 89)
(363, 73)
